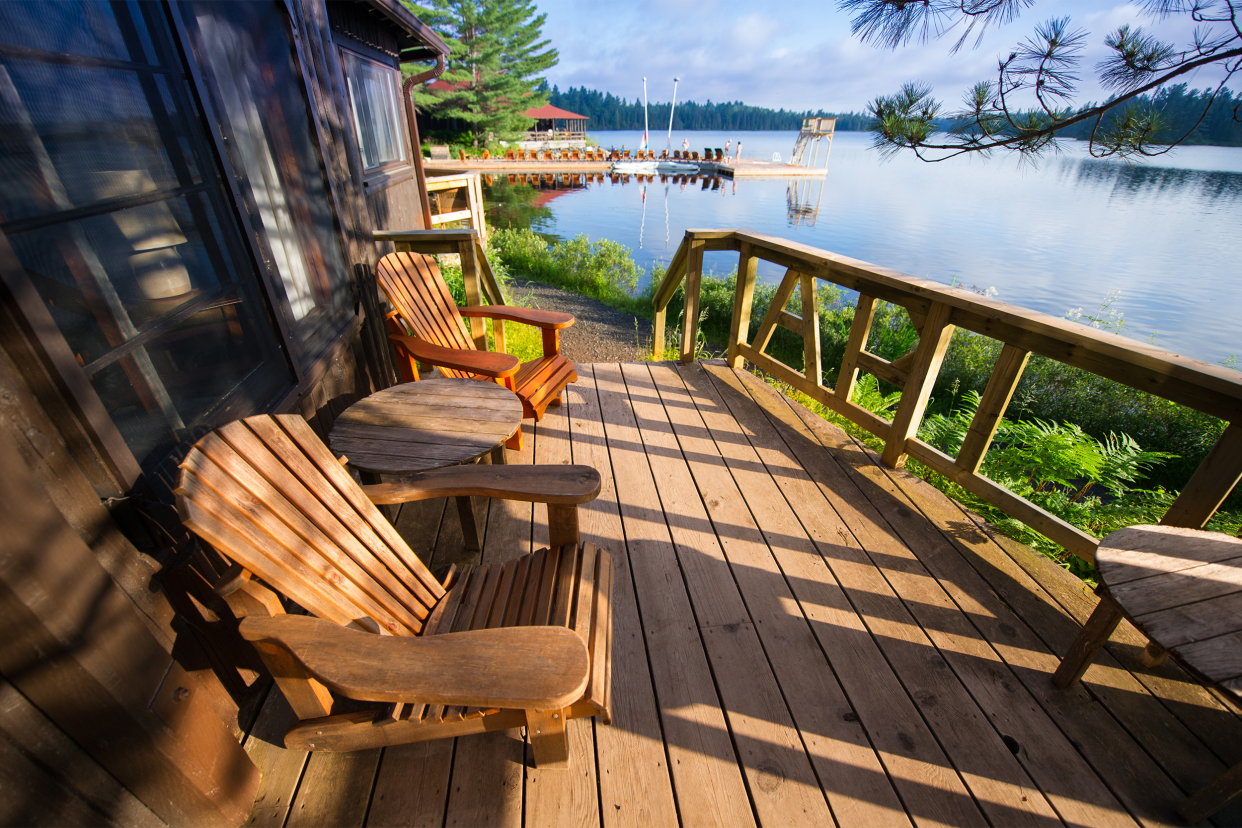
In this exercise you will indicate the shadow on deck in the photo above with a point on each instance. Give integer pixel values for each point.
(801, 637)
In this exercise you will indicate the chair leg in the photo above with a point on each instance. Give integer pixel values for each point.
(549, 742)
(515, 442)
(469, 525)
(1214, 796)
(1153, 655)
(1083, 651)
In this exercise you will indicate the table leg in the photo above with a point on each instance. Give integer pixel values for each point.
(499, 458)
(469, 527)
(1088, 643)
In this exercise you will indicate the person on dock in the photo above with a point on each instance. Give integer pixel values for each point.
(685, 146)
(727, 143)
(739, 151)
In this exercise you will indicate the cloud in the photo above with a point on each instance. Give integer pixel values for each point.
(793, 55)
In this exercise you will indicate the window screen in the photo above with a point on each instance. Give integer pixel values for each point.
(252, 72)
(375, 103)
(112, 202)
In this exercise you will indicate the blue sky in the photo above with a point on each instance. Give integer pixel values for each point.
(794, 55)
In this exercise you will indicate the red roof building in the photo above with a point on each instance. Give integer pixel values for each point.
(547, 115)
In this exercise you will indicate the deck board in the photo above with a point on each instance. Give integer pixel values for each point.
(801, 636)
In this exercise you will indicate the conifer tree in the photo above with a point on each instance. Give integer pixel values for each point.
(1030, 100)
(496, 57)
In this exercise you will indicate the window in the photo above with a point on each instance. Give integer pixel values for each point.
(375, 102)
(253, 76)
(111, 199)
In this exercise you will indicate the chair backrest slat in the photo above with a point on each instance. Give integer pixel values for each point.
(269, 494)
(416, 289)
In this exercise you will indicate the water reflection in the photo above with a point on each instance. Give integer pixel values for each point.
(1065, 234)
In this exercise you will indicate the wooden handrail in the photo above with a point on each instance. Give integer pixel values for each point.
(936, 310)
(474, 213)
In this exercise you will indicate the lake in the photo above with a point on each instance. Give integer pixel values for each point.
(1161, 238)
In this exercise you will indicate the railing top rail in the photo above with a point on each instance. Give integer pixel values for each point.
(1213, 389)
(426, 235)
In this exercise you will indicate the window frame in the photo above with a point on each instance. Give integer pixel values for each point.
(346, 45)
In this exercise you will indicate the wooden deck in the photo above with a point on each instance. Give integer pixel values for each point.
(802, 637)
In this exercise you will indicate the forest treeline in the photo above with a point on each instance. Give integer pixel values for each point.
(1180, 108)
(607, 111)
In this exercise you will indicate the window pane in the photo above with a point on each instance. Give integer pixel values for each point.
(77, 27)
(72, 133)
(375, 101)
(248, 56)
(146, 275)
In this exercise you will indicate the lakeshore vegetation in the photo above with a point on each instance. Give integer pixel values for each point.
(1098, 454)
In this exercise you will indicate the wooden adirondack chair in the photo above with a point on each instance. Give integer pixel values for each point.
(427, 326)
(523, 643)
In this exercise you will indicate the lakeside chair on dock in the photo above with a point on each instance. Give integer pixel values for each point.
(491, 647)
(427, 326)
(694, 156)
(509, 155)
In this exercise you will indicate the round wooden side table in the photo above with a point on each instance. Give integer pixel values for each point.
(1182, 588)
(429, 424)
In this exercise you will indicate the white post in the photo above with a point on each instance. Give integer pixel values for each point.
(645, 125)
(670, 115)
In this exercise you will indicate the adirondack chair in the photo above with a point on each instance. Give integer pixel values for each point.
(427, 326)
(509, 155)
(394, 655)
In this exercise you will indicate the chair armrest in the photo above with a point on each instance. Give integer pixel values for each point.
(483, 363)
(527, 668)
(557, 485)
(552, 320)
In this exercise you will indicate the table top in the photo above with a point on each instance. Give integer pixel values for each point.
(1183, 589)
(427, 424)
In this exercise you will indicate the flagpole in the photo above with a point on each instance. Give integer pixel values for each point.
(644, 146)
(670, 114)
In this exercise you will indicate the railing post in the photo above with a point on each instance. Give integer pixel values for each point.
(474, 291)
(933, 343)
(996, 397)
(657, 333)
(690, 317)
(864, 312)
(743, 298)
(810, 330)
(1211, 483)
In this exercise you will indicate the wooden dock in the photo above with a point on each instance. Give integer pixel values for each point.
(493, 165)
(747, 168)
(802, 637)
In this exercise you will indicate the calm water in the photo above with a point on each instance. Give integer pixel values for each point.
(1166, 234)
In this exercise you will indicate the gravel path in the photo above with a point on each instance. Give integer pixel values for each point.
(599, 334)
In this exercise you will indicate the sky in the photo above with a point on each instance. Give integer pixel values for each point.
(795, 55)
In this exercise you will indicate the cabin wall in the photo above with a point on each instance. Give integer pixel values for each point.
(393, 202)
(124, 688)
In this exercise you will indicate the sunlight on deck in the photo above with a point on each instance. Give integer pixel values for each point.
(801, 636)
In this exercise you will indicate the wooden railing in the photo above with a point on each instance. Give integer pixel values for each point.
(457, 197)
(935, 311)
(476, 271)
